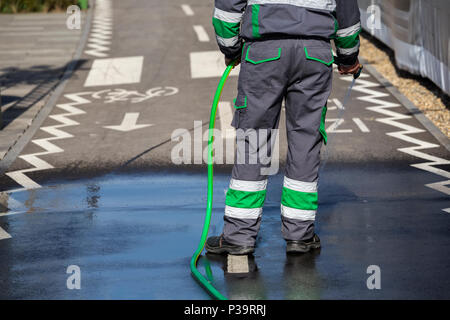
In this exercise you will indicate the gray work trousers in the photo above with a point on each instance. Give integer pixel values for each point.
(299, 71)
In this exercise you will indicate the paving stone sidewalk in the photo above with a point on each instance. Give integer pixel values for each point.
(35, 50)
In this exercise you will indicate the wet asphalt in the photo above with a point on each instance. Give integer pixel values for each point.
(116, 206)
(138, 246)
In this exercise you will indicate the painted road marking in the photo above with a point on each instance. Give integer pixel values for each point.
(187, 9)
(4, 234)
(50, 34)
(22, 29)
(114, 71)
(336, 123)
(361, 125)
(11, 205)
(226, 111)
(201, 34)
(29, 51)
(209, 64)
(338, 104)
(226, 116)
(50, 148)
(396, 119)
(129, 123)
(101, 32)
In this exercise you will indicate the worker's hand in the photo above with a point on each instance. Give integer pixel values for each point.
(349, 69)
(228, 61)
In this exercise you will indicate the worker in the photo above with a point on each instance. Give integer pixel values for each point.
(284, 47)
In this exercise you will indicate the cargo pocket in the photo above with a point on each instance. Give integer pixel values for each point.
(240, 105)
(256, 55)
(322, 125)
(320, 54)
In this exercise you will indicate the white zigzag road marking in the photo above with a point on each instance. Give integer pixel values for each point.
(13, 206)
(101, 31)
(384, 107)
(50, 148)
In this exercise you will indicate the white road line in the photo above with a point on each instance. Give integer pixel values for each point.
(21, 29)
(228, 132)
(115, 71)
(396, 120)
(101, 32)
(4, 234)
(40, 16)
(226, 116)
(333, 128)
(361, 125)
(129, 123)
(10, 203)
(50, 148)
(209, 64)
(67, 38)
(338, 103)
(41, 23)
(187, 9)
(35, 51)
(32, 61)
(201, 34)
(45, 34)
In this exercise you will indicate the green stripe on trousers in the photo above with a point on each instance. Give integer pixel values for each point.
(299, 200)
(245, 199)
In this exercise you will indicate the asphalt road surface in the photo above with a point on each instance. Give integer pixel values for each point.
(97, 187)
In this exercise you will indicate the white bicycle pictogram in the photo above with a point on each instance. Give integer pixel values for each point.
(110, 96)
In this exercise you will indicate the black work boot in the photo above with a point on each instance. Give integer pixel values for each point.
(303, 246)
(218, 245)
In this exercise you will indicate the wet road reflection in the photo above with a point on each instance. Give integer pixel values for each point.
(133, 235)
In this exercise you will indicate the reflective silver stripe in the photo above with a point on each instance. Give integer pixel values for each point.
(300, 186)
(329, 5)
(232, 17)
(349, 31)
(227, 42)
(292, 213)
(348, 51)
(243, 213)
(249, 186)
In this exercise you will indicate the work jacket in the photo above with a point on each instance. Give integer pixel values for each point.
(252, 20)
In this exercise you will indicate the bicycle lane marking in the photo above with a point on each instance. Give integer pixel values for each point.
(379, 104)
(4, 234)
(71, 109)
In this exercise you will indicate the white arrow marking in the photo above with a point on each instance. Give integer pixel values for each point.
(4, 234)
(129, 123)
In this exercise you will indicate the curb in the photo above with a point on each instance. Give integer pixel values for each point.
(42, 114)
(427, 123)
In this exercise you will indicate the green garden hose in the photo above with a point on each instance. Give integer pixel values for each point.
(193, 265)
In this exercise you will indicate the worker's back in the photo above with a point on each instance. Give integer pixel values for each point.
(272, 19)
